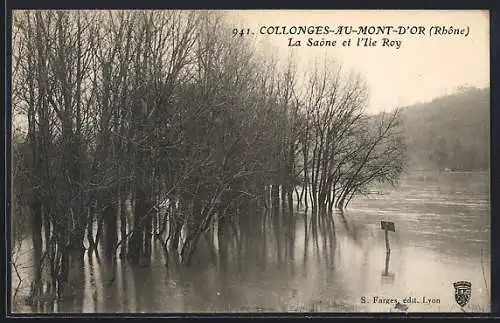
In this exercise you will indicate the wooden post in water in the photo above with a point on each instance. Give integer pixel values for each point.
(387, 226)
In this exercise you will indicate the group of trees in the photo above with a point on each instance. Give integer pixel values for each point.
(141, 125)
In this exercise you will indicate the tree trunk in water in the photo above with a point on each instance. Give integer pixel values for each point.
(148, 230)
(136, 246)
(306, 240)
(306, 198)
(110, 229)
(284, 189)
(351, 195)
(314, 220)
(176, 227)
(299, 197)
(133, 247)
(340, 203)
(77, 237)
(98, 236)
(46, 228)
(36, 235)
(290, 202)
(156, 217)
(278, 228)
(275, 197)
(267, 196)
(291, 238)
(77, 233)
(262, 191)
(123, 226)
(330, 202)
(90, 230)
(222, 241)
(193, 233)
(62, 278)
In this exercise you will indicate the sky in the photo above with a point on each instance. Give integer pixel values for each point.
(424, 67)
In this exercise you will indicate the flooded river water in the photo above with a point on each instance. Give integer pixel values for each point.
(442, 235)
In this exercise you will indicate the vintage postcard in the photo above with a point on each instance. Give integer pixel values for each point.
(263, 161)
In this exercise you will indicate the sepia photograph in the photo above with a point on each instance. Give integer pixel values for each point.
(249, 161)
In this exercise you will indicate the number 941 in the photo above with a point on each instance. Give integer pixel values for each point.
(241, 32)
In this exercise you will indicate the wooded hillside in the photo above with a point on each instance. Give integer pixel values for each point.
(452, 131)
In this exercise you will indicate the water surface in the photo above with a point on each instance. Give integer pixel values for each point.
(442, 235)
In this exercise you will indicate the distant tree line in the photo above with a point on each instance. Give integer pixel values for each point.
(451, 132)
(142, 125)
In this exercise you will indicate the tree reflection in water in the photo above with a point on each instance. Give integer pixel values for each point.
(268, 261)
